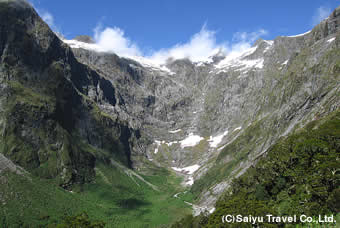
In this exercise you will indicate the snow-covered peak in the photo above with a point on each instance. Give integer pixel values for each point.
(148, 63)
(269, 42)
(83, 45)
(302, 34)
(145, 62)
(238, 61)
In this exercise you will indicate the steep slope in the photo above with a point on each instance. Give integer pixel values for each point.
(46, 119)
(299, 82)
(299, 175)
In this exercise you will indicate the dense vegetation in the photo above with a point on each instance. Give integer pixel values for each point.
(115, 198)
(299, 175)
(78, 221)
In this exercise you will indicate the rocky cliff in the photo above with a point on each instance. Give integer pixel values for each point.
(48, 124)
(63, 101)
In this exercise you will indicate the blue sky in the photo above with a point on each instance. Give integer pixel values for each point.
(153, 25)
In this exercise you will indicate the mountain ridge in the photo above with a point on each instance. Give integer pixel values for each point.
(65, 109)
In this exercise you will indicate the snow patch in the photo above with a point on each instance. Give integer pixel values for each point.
(221, 148)
(236, 55)
(258, 63)
(238, 128)
(190, 181)
(331, 40)
(148, 63)
(214, 141)
(170, 143)
(175, 131)
(200, 63)
(188, 170)
(177, 169)
(285, 62)
(212, 210)
(238, 62)
(302, 34)
(158, 143)
(87, 46)
(270, 44)
(242, 65)
(191, 140)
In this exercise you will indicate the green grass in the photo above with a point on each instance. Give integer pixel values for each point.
(113, 197)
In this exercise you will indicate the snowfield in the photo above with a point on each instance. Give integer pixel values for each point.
(191, 140)
(214, 141)
(146, 62)
(189, 169)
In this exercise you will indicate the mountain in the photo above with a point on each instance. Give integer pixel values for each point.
(94, 123)
(46, 121)
(299, 176)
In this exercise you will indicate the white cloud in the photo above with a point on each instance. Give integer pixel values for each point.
(44, 14)
(47, 17)
(321, 13)
(249, 37)
(242, 41)
(113, 40)
(203, 45)
(199, 47)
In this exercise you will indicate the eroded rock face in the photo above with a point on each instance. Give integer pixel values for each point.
(85, 39)
(48, 124)
(61, 104)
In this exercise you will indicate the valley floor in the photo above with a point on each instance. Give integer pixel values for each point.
(113, 197)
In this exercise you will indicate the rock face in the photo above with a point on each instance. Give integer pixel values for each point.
(48, 125)
(61, 104)
(85, 39)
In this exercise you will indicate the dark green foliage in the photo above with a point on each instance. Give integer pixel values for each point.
(79, 221)
(299, 175)
(191, 222)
